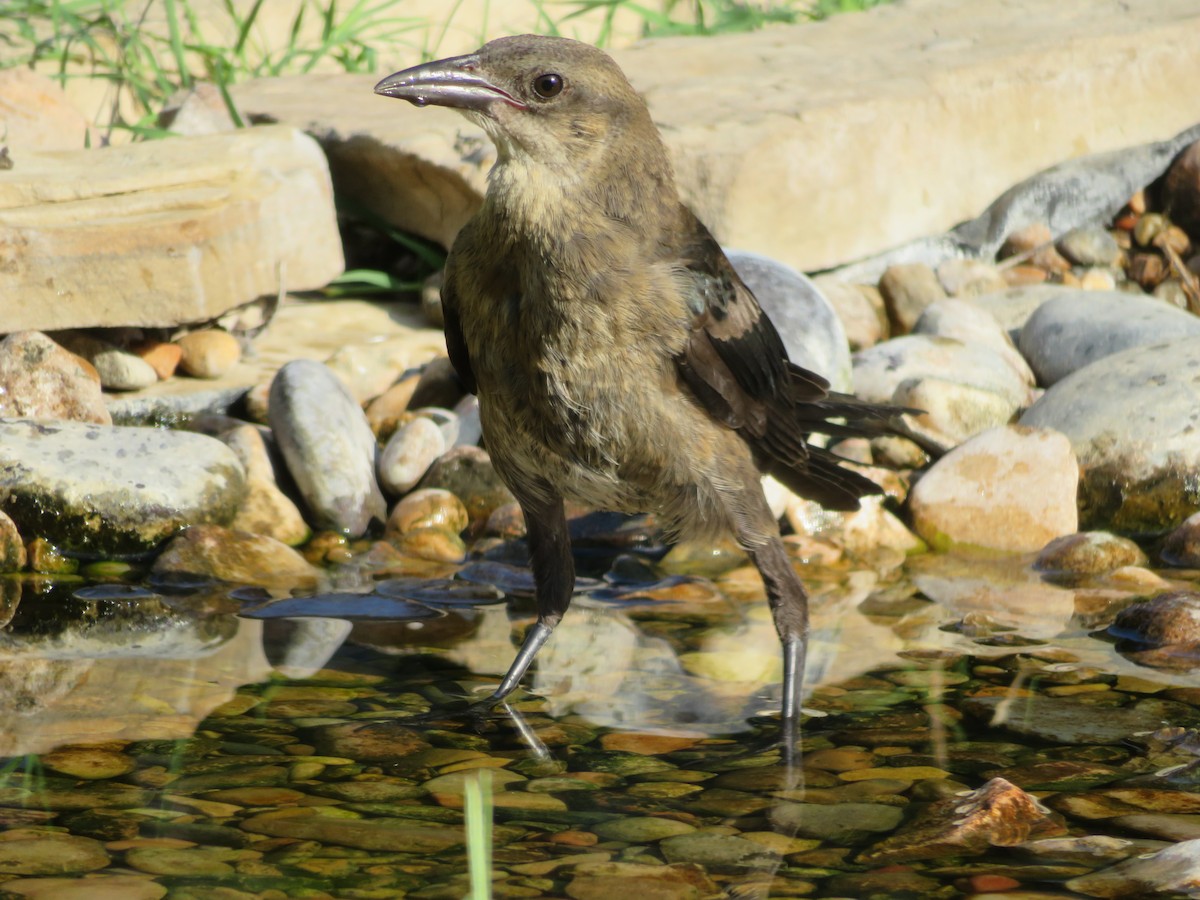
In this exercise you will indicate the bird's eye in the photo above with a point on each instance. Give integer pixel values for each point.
(548, 85)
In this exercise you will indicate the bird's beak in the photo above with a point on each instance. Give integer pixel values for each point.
(453, 82)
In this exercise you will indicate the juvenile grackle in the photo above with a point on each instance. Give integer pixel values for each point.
(618, 358)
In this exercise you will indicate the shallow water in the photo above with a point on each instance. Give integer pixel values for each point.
(193, 740)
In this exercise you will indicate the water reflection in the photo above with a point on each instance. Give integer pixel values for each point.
(640, 747)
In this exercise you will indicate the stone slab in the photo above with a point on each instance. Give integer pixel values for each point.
(821, 143)
(163, 232)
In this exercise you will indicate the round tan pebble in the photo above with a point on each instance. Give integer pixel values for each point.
(432, 543)
(574, 838)
(162, 356)
(89, 762)
(208, 354)
(425, 508)
(1023, 240)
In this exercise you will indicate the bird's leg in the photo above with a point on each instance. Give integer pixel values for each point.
(789, 608)
(554, 580)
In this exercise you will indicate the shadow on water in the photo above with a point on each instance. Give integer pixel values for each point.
(176, 738)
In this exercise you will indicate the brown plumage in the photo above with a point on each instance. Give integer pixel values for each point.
(618, 358)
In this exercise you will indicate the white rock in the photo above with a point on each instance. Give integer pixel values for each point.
(1010, 489)
(409, 454)
(98, 490)
(328, 445)
(879, 370)
(1133, 419)
(1071, 331)
(951, 412)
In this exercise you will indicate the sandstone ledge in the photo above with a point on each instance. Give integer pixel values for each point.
(822, 143)
(164, 232)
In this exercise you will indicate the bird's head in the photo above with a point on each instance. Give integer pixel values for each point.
(552, 100)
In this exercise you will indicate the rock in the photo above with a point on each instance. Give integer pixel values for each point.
(798, 148)
(389, 410)
(998, 814)
(409, 453)
(470, 426)
(368, 368)
(1092, 552)
(209, 353)
(1010, 489)
(237, 557)
(118, 369)
(1061, 721)
(810, 328)
(438, 385)
(971, 324)
(1172, 871)
(951, 412)
(1132, 422)
(839, 823)
(1069, 332)
(859, 307)
(605, 880)
(51, 854)
(96, 887)
(89, 763)
(382, 742)
(643, 830)
(1012, 307)
(467, 473)
(196, 111)
(907, 289)
(35, 114)
(251, 209)
(162, 356)
(1182, 546)
(969, 278)
(879, 370)
(328, 445)
(1026, 240)
(266, 509)
(380, 834)
(97, 490)
(12, 548)
(1090, 245)
(1182, 188)
(718, 852)
(39, 379)
(425, 508)
(1166, 620)
(433, 542)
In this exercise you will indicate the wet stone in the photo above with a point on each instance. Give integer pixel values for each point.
(89, 763)
(1090, 552)
(1061, 775)
(717, 852)
(1060, 720)
(372, 742)
(999, 814)
(1173, 870)
(642, 830)
(95, 887)
(467, 473)
(603, 881)
(51, 854)
(192, 862)
(842, 823)
(384, 834)
(1166, 620)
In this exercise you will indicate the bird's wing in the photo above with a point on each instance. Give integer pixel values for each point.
(456, 345)
(736, 365)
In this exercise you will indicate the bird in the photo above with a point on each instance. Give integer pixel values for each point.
(618, 359)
